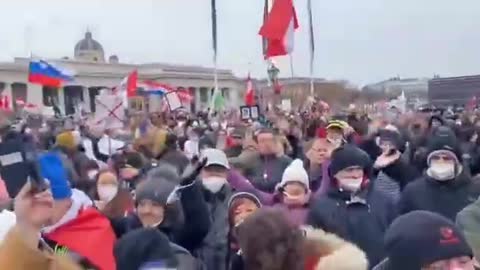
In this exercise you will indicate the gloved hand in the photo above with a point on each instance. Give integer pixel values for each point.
(192, 171)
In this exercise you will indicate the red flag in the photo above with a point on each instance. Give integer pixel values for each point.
(129, 83)
(6, 103)
(250, 93)
(90, 234)
(184, 95)
(472, 103)
(279, 28)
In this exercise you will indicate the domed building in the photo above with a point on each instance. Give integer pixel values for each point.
(93, 72)
(89, 49)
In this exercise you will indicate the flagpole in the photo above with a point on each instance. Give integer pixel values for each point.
(312, 46)
(214, 46)
(292, 72)
(266, 9)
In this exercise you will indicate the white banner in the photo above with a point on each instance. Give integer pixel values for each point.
(110, 112)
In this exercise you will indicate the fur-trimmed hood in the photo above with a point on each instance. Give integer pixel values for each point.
(333, 253)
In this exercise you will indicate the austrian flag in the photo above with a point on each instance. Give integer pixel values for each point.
(279, 28)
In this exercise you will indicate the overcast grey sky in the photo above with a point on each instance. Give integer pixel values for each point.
(359, 40)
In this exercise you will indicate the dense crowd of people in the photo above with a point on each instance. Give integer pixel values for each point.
(310, 191)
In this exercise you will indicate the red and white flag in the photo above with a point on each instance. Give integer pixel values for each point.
(184, 95)
(279, 28)
(128, 84)
(250, 93)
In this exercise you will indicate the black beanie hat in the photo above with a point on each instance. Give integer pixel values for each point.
(394, 137)
(349, 156)
(144, 246)
(420, 238)
(444, 139)
(155, 190)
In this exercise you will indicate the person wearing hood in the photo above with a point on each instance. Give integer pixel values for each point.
(72, 218)
(240, 207)
(148, 248)
(170, 203)
(217, 193)
(422, 240)
(284, 246)
(445, 188)
(268, 241)
(292, 194)
(327, 251)
(352, 208)
(267, 167)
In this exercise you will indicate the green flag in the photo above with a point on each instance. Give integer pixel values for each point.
(218, 101)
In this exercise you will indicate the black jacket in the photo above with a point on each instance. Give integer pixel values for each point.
(214, 249)
(267, 171)
(175, 158)
(446, 198)
(234, 151)
(401, 172)
(189, 233)
(361, 220)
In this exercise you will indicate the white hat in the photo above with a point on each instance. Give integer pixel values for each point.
(215, 157)
(295, 173)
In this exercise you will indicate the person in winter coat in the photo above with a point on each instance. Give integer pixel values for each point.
(422, 240)
(269, 242)
(468, 220)
(110, 197)
(148, 248)
(172, 155)
(235, 148)
(392, 170)
(292, 194)
(240, 206)
(268, 166)
(318, 159)
(67, 148)
(352, 208)
(72, 218)
(182, 217)
(445, 188)
(22, 248)
(283, 246)
(217, 193)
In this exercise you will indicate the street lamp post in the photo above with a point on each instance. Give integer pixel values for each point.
(273, 72)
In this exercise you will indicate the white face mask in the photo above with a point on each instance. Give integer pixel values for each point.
(92, 174)
(214, 183)
(350, 184)
(336, 142)
(107, 192)
(214, 125)
(441, 171)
